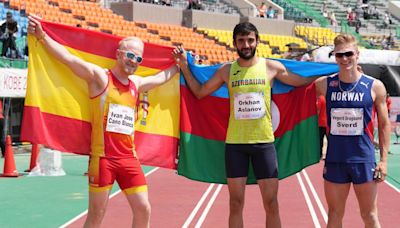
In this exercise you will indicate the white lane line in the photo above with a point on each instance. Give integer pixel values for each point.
(207, 209)
(201, 201)
(308, 201)
(392, 186)
(74, 219)
(111, 196)
(320, 206)
(151, 171)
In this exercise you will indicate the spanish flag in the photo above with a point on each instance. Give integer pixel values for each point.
(56, 112)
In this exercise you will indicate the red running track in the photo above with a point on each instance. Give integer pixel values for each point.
(179, 202)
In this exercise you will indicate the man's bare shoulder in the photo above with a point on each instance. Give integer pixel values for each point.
(224, 71)
(134, 78)
(226, 66)
(321, 79)
(321, 85)
(378, 87)
(377, 84)
(271, 63)
(97, 72)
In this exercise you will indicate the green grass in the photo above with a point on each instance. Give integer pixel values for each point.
(394, 164)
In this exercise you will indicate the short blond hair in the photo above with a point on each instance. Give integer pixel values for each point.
(135, 39)
(345, 39)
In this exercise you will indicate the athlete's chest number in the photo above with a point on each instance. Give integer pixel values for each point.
(120, 119)
(347, 121)
(249, 105)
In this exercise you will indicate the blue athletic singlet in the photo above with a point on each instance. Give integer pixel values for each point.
(350, 112)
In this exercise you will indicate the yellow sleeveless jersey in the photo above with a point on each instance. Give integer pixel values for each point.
(250, 105)
(113, 120)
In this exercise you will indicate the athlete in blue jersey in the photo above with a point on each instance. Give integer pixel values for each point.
(352, 98)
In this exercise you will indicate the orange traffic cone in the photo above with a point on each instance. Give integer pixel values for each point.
(34, 156)
(9, 163)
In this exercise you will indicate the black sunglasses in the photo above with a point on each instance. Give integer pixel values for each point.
(347, 54)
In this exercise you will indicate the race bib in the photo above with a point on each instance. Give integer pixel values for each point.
(347, 121)
(249, 105)
(120, 119)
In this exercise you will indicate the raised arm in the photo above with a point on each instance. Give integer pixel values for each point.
(201, 90)
(146, 83)
(87, 71)
(278, 70)
(383, 125)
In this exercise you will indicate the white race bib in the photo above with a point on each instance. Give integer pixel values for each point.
(249, 105)
(120, 119)
(347, 121)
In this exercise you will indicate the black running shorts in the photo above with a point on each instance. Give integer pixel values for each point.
(262, 156)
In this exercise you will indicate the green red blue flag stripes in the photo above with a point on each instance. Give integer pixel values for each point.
(204, 123)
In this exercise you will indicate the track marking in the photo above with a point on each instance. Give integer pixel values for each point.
(392, 186)
(198, 205)
(308, 201)
(151, 171)
(207, 209)
(111, 196)
(320, 206)
(74, 219)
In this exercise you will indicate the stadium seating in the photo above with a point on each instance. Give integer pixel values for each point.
(213, 46)
(268, 42)
(298, 10)
(90, 15)
(316, 35)
(340, 7)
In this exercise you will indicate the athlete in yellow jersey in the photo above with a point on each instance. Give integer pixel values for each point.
(250, 105)
(113, 95)
(250, 134)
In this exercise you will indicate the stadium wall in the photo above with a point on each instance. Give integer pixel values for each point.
(246, 8)
(211, 20)
(394, 8)
(273, 26)
(135, 11)
(268, 3)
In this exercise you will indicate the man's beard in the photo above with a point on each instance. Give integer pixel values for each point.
(129, 69)
(246, 56)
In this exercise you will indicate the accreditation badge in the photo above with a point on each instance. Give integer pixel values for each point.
(249, 106)
(120, 119)
(347, 121)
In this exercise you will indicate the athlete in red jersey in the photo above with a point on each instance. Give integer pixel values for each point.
(113, 95)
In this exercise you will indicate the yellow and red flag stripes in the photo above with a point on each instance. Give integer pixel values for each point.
(56, 110)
